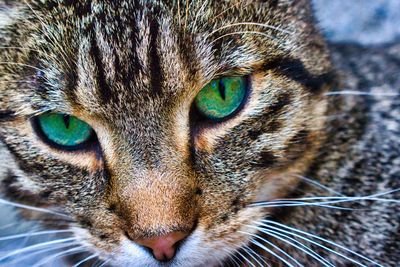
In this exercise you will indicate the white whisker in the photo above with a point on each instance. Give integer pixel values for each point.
(271, 252)
(361, 93)
(251, 252)
(70, 251)
(289, 203)
(300, 246)
(8, 225)
(19, 48)
(274, 246)
(229, 8)
(18, 205)
(266, 223)
(50, 35)
(246, 259)
(33, 247)
(85, 260)
(41, 251)
(34, 234)
(231, 258)
(251, 24)
(244, 32)
(22, 65)
(292, 202)
(200, 11)
(239, 262)
(104, 263)
(317, 184)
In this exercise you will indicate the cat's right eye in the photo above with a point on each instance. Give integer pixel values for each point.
(221, 98)
(64, 131)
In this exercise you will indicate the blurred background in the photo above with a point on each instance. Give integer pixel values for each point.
(363, 21)
(368, 22)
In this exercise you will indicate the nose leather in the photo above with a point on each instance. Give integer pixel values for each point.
(163, 247)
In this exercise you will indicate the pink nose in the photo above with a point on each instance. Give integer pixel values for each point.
(163, 247)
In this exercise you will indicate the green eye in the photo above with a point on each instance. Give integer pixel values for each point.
(221, 97)
(64, 130)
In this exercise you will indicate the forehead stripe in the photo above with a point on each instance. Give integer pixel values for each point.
(104, 89)
(294, 69)
(156, 76)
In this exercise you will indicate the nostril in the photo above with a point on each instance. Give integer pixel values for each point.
(163, 247)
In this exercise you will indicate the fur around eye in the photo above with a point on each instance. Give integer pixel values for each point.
(63, 131)
(221, 98)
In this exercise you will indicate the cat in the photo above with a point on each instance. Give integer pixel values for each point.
(197, 133)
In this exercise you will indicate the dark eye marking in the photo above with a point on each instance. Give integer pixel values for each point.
(265, 159)
(297, 145)
(281, 101)
(6, 115)
(270, 121)
(12, 189)
(294, 69)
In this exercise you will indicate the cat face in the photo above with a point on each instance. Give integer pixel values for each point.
(158, 179)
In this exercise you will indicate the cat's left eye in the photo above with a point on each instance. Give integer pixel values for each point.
(64, 131)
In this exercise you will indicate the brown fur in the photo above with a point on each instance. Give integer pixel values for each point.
(131, 69)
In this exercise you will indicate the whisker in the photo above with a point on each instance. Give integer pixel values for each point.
(8, 225)
(23, 206)
(288, 203)
(251, 24)
(22, 64)
(33, 247)
(317, 184)
(246, 259)
(251, 252)
(300, 246)
(85, 260)
(291, 202)
(229, 8)
(19, 48)
(50, 35)
(97, 263)
(40, 251)
(186, 14)
(104, 263)
(361, 93)
(231, 257)
(240, 261)
(271, 252)
(34, 234)
(266, 223)
(369, 197)
(244, 32)
(21, 81)
(179, 13)
(272, 245)
(200, 11)
(70, 251)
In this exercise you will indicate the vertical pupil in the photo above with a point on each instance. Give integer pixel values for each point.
(66, 119)
(221, 89)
